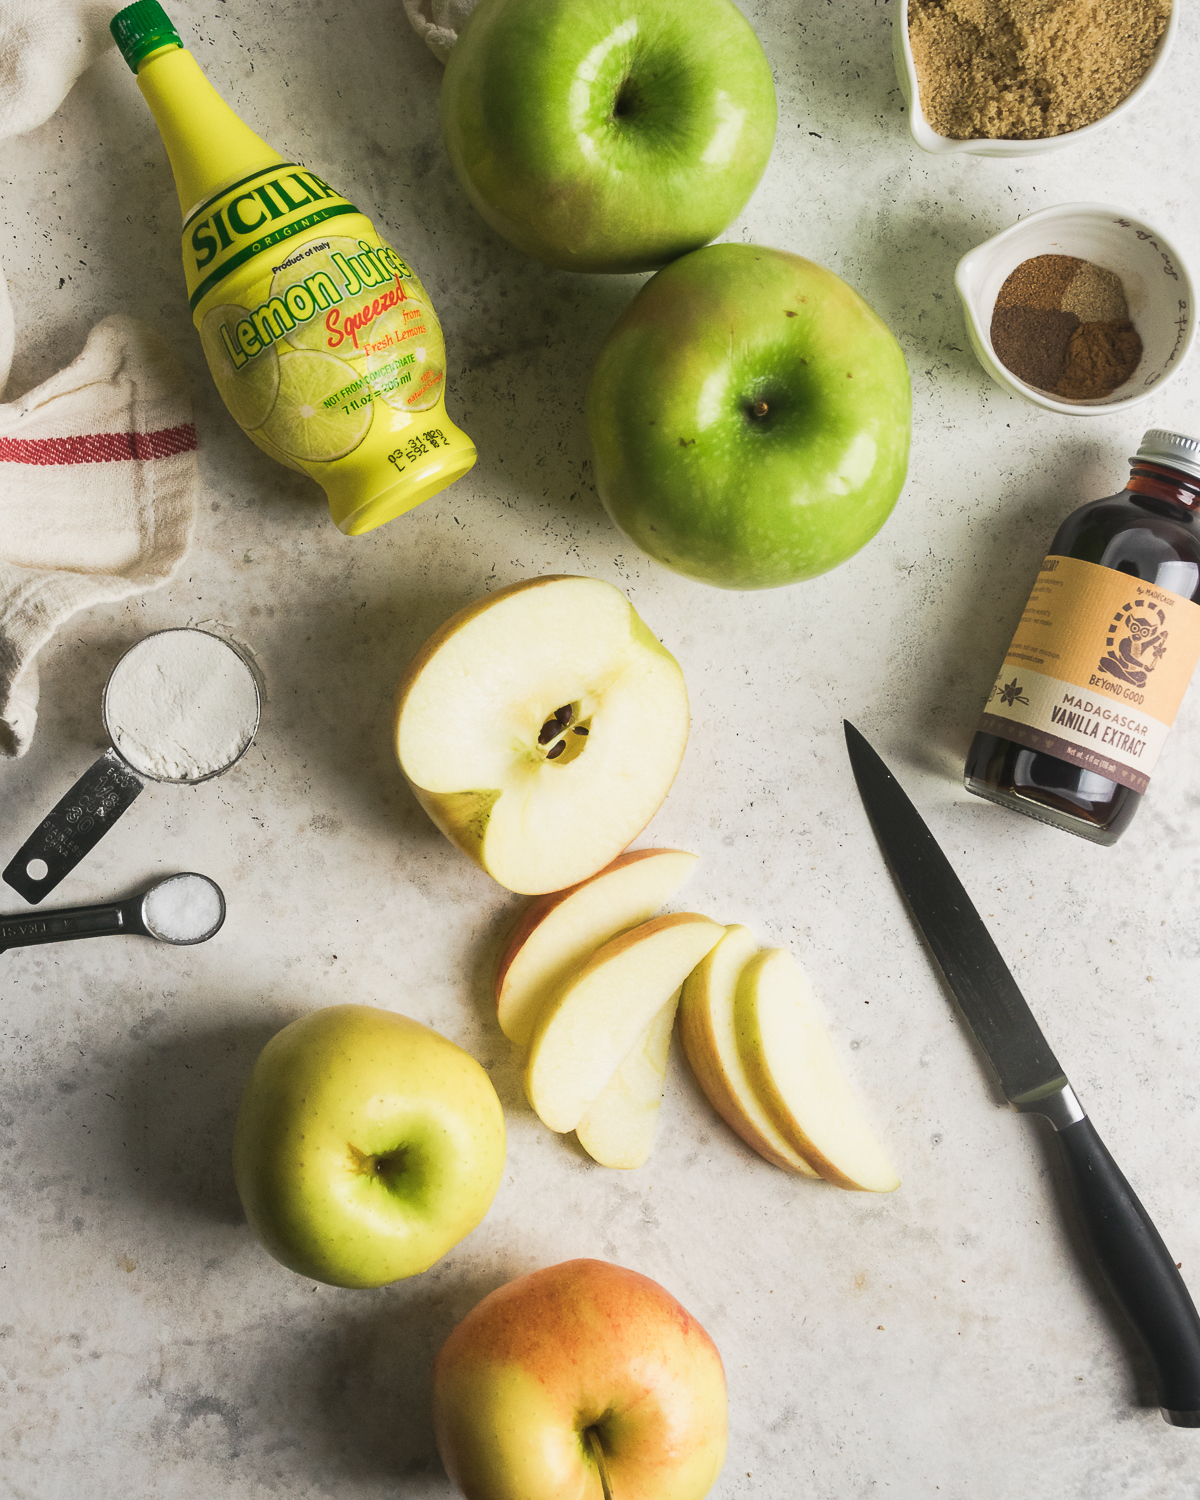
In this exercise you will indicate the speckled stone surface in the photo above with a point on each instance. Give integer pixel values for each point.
(943, 1341)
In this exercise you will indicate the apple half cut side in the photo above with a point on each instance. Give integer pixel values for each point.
(618, 1130)
(541, 728)
(790, 1060)
(709, 1037)
(585, 1033)
(557, 933)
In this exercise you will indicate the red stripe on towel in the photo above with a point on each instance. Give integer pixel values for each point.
(99, 447)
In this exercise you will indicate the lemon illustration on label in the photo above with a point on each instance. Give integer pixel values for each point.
(248, 392)
(308, 422)
(428, 374)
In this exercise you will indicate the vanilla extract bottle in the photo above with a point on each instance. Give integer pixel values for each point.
(1102, 655)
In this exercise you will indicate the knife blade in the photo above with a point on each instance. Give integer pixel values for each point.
(1126, 1246)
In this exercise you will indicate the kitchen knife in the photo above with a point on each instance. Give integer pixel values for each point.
(1127, 1247)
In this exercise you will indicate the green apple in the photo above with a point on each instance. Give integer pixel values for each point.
(608, 135)
(579, 1378)
(366, 1146)
(541, 728)
(749, 417)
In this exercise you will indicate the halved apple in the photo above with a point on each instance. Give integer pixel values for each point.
(541, 729)
(790, 1061)
(618, 1129)
(587, 1031)
(709, 1037)
(557, 933)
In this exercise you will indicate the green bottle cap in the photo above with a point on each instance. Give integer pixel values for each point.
(142, 28)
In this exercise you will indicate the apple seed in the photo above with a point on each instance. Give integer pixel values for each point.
(557, 751)
(549, 729)
(580, 729)
(564, 715)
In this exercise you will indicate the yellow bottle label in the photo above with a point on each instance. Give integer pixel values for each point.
(1096, 671)
(257, 213)
(326, 348)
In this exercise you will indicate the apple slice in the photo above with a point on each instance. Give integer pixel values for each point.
(541, 729)
(618, 1130)
(709, 1037)
(587, 1031)
(557, 933)
(791, 1063)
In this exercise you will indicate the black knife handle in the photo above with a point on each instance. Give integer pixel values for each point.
(1139, 1269)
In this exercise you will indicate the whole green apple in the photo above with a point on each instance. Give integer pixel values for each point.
(608, 135)
(366, 1146)
(579, 1378)
(750, 418)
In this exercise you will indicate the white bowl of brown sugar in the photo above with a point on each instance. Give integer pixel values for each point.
(1080, 309)
(1019, 77)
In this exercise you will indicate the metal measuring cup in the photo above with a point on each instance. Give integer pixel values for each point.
(78, 822)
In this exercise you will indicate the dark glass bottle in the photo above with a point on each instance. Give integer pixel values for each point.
(1150, 532)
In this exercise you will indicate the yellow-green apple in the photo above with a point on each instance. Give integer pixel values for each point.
(366, 1146)
(586, 1031)
(618, 1129)
(576, 1366)
(709, 1037)
(608, 135)
(541, 728)
(749, 417)
(790, 1060)
(556, 934)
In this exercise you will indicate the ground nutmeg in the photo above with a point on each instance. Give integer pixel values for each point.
(1062, 324)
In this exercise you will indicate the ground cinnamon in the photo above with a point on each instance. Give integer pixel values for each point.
(1061, 324)
(1027, 69)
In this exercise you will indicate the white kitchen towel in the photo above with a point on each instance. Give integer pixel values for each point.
(97, 494)
(97, 465)
(438, 22)
(44, 46)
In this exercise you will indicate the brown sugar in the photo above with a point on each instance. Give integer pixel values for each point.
(1027, 69)
(1062, 324)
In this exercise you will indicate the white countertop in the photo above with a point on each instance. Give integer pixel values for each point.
(940, 1341)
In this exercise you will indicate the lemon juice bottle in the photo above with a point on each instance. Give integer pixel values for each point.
(323, 343)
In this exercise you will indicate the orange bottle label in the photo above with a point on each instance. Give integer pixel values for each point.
(1096, 671)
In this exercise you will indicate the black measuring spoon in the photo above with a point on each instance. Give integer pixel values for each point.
(179, 909)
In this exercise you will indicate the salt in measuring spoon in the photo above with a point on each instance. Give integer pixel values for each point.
(181, 706)
(180, 909)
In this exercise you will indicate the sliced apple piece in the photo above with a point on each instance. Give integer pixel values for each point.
(541, 728)
(557, 933)
(790, 1060)
(709, 1037)
(586, 1032)
(618, 1130)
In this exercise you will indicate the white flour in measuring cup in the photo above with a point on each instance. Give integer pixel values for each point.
(181, 705)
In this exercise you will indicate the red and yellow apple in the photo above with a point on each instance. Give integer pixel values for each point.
(574, 1367)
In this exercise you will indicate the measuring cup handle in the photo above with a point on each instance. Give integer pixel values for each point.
(73, 826)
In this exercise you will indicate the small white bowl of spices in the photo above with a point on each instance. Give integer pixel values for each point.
(1019, 77)
(1080, 309)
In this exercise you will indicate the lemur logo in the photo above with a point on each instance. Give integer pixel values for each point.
(1136, 632)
